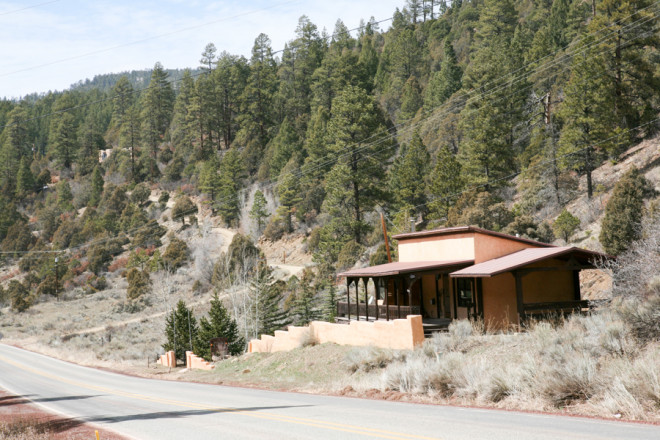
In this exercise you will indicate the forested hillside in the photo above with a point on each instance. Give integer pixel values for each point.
(483, 112)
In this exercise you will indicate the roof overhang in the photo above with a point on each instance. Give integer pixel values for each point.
(518, 260)
(400, 268)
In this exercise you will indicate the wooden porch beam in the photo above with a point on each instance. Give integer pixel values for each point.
(552, 269)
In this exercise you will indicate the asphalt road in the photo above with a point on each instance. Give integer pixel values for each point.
(153, 409)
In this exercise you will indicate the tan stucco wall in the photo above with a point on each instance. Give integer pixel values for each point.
(194, 362)
(167, 359)
(500, 307)
(396, 334)
(499, 292)
(458, 247)
(488, 247)
(548, 286)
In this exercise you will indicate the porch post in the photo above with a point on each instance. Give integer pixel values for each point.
(519, 296)
(577, 295)
(365, 282)
(399, 286)
(348, 298)
(455, 289)
(410, 295)
(387, 299)
(437, 296)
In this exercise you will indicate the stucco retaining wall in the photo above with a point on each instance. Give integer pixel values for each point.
(397, 334)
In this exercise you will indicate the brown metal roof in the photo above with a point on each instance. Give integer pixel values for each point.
(398, 268)
(464, 229)
(525, 257)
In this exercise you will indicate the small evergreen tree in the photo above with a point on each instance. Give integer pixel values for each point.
(139, 283)
(259, 211)
(565, 225)
(623, 213)
(64, 196)
(176, 254)
(182, 208)
(267, 313)
(97, 186)
(181, 331)
(306, 305)
(24, 179)
(19, 296)
(219, 325)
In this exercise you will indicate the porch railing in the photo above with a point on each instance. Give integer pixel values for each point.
(375, 310)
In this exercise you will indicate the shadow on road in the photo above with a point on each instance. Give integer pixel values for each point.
(23, 399)
(13, 400)
(180, 414)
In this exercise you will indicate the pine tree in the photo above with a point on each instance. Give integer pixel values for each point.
(267, 313)
(232, 173)
(13, 149)
(446, 183)
(185, 125)
(411, 99)
(218, 325)
(587, 112)
(123, 99)
(64, 196)
(25, 182)
(306, 305)
(357, 133)
(623, 213)
(257, 117)
(444, 82)
(288, 189)
(407, 175)
(157, 106)
(65, 141)
(181, 331)
(209, 179)
(259, 210)
(130, 138)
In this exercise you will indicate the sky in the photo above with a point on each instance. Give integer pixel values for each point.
(51, 44)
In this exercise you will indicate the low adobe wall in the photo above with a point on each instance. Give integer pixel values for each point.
(194, 362)
(168, 359)
(402, 334)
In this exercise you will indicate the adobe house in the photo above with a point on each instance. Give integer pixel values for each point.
(468, 272)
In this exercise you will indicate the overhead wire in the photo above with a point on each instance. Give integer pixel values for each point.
(299, 174)
(13, 11)
(143, 40)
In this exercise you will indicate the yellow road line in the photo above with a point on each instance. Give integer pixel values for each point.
(371, 432)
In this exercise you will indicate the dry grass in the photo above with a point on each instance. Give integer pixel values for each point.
(586, 364)
(23, 429)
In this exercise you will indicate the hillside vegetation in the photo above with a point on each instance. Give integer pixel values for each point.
(260, 178)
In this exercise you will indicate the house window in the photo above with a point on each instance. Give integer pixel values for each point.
(465, 292)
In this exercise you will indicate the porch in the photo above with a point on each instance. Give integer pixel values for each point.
(398, 290)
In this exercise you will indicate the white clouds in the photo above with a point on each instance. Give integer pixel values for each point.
(122, 33)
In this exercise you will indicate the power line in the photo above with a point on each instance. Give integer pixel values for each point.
(193, 75)
(29, 7)
(513, 175)
(154, 37)
(306, 171)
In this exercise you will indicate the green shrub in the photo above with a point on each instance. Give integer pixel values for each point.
(176, 254)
